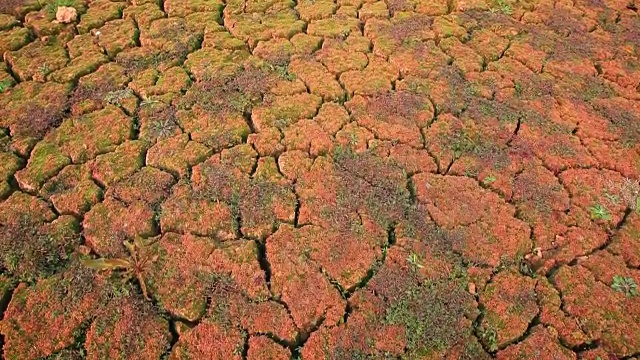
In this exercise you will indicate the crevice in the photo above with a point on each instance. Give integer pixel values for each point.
(598, 68)
(175, 337)
(631, 357)
(135, 127)
(9, 69)
(446, 171)
(477, 327)
(284, 343)
(582, 347)
(335, 283)
(303, 336)
(347, 312)
(413, 197)
(136, 33)
(5, 300)
(265, 266)
(608, 242)
(296, 216)
(249, 121)
(245, 346)
(371, 272)
(515, 132)
(533, 323)
(236, 215)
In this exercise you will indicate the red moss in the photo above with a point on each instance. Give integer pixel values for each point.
(510, 306)
(48, 316)
(127, 328)
(595, 303)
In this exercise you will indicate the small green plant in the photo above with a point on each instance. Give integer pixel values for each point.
(490, 337)
(518, 87)
(430, 314)
(4, 85)
(489, 179)
(239, 347)
(283, 72)
(625, 285)
(599, 212)
(44, 69)
(135, 266)
(414, 261)
(461, 143)
(503, 7)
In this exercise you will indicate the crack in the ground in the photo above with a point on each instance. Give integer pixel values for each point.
(175, 337)
(303, 336)
(4, 304)
(245, 345)
(265, 266)
(296, 214)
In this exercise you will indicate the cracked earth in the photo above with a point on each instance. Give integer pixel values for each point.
(319, 179)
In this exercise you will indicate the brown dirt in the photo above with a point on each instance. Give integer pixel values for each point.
(319, 179)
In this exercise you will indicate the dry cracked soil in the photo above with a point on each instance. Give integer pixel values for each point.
(320, 179)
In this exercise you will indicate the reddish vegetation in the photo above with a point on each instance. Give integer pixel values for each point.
(396, 179)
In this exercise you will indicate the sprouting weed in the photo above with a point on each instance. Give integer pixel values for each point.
(625, 285)
(519, 88)
(504, 7)
(414, 261)
(599, 212)
(490, 336)
(134, 266)
(4, 85)
(44, 69)
(489, 179)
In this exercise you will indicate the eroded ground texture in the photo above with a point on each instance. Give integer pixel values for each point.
(320, 179)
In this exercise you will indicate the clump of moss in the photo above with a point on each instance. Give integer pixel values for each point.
(399, 103)
(160, 120)
(416, 225)
(432, 315)
(127, 324)
(356, 354)
(135, 63)
(222, 290)
(29, 250)
(68, 354)
(399, 5)
(622, 121)
(371, 184)
(407, 27)
(238, 92)
(94, 92)
(457, 93)
(38, 120)
(250, 199)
